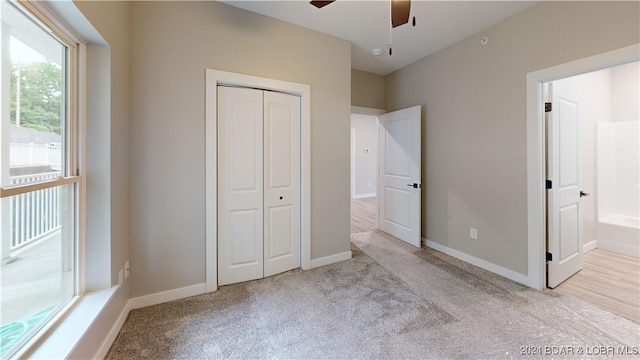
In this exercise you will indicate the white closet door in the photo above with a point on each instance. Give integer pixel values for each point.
(281, 182)
(240, 185)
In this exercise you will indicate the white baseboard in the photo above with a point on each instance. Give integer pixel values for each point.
(170, 295)
(362, 196)
(496, 269)
(589, 246)
(142, 301)
(113, 333)
(327, 260)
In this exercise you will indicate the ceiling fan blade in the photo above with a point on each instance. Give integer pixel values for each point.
(400, 10)
(320, 4)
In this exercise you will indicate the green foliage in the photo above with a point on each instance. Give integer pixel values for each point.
(40, 95)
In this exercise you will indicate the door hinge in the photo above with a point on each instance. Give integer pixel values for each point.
(548, 184)
(549, 257)
(547, 107)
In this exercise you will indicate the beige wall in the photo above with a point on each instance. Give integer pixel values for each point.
(107, 151)
(108, 133)
(172, 43)
(367, 89)
(474, 133)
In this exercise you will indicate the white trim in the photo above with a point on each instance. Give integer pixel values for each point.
(63, 334)
(81, 134)
(213, 79)
(143, 301)
(592, 245)
(362, 196)
(50, 20)
(165, 296)
(331, 259)
(113, 333)
(353, 163)
(496, 269)
(535, 149)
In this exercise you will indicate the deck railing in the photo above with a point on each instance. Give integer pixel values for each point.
(29, 154)
(34, 215)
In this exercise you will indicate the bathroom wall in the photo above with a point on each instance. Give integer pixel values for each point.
(617, 164)
(365, 165)
(625, 92)
(625, 108)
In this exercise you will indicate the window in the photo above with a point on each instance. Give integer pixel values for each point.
(39, 180)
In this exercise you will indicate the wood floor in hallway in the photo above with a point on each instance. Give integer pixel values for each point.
(609, 281)
(363, 214)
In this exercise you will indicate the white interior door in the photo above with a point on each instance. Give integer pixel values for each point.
(281, 182)
(258, 184)
(240, 188)
(400, 184)
(564, 215)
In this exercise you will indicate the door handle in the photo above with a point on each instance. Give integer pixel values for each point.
(583, 194)
(415, 185)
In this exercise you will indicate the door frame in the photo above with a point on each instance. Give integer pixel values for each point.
(352, 165)
(213, 78)
(536, 203)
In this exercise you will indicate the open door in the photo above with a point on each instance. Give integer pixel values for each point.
(564, 213)
(400, 186)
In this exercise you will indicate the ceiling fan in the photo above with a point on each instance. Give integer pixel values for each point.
(400, 10)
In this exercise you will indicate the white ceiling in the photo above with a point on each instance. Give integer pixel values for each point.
(366, 25)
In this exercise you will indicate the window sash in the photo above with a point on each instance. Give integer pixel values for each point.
(69, 121)
(35, 186)
(72, 158)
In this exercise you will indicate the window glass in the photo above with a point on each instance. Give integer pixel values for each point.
(36, 71)
(39, 276)
(38, 207)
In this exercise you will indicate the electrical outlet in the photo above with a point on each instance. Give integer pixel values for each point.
(120, 277)
(126, 269)
(473, 233)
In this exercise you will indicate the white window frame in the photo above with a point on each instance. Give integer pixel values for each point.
(74, 154)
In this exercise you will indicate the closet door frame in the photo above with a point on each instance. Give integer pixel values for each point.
(213, 79)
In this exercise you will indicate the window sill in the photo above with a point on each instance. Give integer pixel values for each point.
(64, 335)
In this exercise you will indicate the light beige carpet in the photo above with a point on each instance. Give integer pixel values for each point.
(390, 301)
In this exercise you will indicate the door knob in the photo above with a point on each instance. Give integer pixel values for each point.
(583, 194)
(415, 185)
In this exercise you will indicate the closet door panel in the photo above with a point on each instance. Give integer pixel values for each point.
(240, 185)
(282, 182)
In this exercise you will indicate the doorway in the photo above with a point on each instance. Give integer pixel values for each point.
(607, 141)
(364, 172)
(536, 164)
(536, 191)
(214, 78)
(395, 171)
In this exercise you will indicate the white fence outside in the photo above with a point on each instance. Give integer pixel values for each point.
(21, 154)
(34, 215)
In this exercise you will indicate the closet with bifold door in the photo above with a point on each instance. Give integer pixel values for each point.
(258, 183)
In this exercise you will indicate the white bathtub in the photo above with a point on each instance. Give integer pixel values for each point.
(620, 234)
